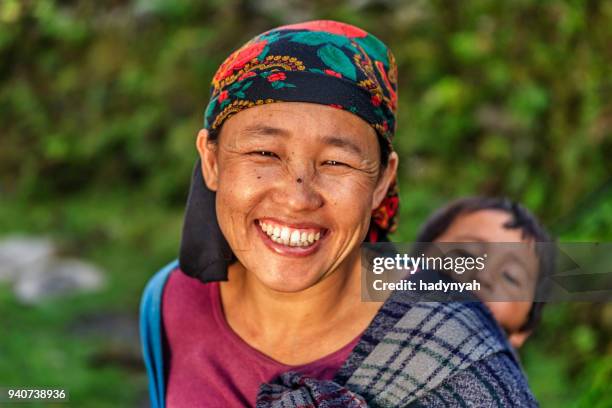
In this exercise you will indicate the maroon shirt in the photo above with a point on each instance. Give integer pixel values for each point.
(209, 364)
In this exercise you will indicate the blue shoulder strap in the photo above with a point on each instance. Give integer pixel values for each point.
(151, 334)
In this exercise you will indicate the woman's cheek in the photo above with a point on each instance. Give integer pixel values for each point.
(246, 173)
(236, 194)
(350, 185)
(347, 193)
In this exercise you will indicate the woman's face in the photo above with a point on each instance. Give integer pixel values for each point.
(296, 184)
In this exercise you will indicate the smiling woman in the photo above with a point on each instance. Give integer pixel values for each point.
(295, 171)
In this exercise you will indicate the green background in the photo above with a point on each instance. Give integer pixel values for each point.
(100, 103)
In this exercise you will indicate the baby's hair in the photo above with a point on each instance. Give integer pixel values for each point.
(522, 219)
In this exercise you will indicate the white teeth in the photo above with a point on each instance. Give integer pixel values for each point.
(289, 236)
(284, 235)
(295, 238)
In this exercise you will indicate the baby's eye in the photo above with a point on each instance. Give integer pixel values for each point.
(508, 277)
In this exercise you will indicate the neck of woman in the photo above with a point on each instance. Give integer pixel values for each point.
(281, 324)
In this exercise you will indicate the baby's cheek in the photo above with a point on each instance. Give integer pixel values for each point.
(510, 315)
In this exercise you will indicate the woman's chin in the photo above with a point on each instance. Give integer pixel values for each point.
(289, 280)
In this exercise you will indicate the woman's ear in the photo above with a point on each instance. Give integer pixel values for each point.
(208, 157)
(385, 180)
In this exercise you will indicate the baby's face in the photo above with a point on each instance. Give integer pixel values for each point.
(511, 270)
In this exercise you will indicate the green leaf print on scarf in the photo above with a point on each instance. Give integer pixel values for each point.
(318, 38)
(374, 48)
(334, 58)
(209, 109)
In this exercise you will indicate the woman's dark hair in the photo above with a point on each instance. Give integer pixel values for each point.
(522, 219)
(213, 135)
(385, 145)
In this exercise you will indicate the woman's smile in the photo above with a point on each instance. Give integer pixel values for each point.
(295, 239)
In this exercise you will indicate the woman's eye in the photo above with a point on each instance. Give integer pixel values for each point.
(334, 163)
(264, 153)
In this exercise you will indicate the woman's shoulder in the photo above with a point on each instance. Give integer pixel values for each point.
(150, 301)
(160, 277)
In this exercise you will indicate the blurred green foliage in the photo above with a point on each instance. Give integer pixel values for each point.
(100, 103)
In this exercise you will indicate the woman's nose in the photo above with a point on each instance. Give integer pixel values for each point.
(298, 192)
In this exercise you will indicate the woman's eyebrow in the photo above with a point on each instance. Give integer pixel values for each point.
(342, 143)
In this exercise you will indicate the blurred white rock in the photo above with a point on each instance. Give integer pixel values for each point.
(55, 278)
(38, 273)
(19, 254)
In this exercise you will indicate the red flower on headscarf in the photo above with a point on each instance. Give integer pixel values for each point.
(392, 93)
(333, 73)
(381, 217)
(392, 204)
(376, 100)
(385, 211)
(328, 26)
(246, 75)
(277, 76)
(385, 126)
(335, 105)
(223, 96)
(239, 59)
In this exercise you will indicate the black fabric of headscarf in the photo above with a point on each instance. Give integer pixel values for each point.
(205, 253)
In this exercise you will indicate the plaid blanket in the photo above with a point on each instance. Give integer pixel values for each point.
(416, 354)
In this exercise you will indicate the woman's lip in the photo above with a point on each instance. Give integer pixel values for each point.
(285, 250)
(291, 224)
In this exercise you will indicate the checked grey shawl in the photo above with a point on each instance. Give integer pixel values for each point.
(429, 354)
